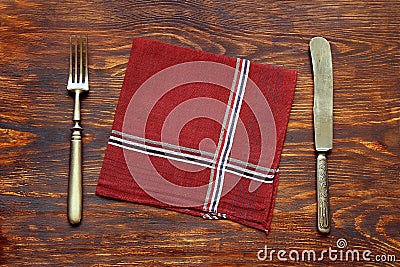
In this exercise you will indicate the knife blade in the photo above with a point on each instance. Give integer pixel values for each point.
(323, 123)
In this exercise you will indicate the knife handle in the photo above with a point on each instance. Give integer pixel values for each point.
(322, 194)
(75, 177)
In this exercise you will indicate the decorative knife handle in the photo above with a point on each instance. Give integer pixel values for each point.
(75, 168)
(322, 194)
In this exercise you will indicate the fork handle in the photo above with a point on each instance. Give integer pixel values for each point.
(75, 169)
(75, 177)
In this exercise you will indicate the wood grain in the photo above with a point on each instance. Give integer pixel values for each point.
(36, 110)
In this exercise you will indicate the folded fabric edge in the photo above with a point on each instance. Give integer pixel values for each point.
(105, 192)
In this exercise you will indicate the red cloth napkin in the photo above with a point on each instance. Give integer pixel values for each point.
(198, 133)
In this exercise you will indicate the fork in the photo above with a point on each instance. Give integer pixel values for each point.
(78, 83)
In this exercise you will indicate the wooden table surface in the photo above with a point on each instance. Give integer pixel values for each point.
(36, 112)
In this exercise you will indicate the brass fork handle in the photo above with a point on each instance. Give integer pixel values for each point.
(322, 194)
(75, 167)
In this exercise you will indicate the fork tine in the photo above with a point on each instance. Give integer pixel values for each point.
(76, 58)
(70, 60)
(86, 60)
(80, 59)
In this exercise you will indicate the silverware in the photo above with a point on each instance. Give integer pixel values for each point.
(323, 123)
(78, 83)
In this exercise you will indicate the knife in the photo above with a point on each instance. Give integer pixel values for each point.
(323, 123)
